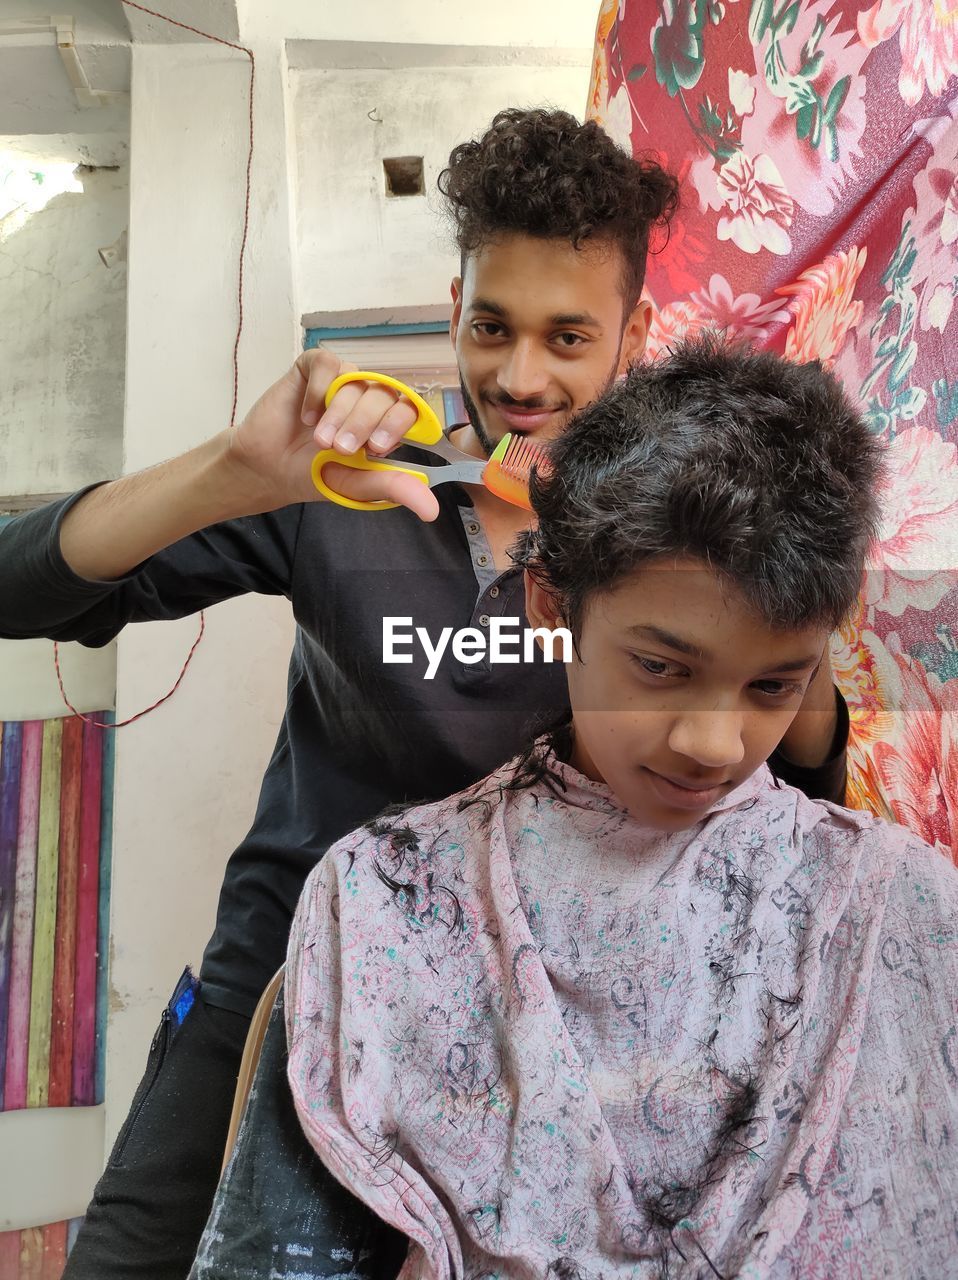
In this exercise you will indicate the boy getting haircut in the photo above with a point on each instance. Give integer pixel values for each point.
(629, 1005)
(755, 466)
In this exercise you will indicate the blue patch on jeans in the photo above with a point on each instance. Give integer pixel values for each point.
(183, 997)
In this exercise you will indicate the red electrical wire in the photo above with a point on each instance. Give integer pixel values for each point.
(239, 331)
(103, 724)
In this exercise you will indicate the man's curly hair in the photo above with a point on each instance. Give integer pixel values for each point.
(758, 467)
(542, 173)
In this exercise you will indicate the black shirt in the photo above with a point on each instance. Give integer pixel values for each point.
(357, 734)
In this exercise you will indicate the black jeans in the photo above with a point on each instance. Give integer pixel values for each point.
(150, 1207)
(279, 1214)
(151, 1204)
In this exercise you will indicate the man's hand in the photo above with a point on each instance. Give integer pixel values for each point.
(810, 735)
(272, 449)
(260, 465)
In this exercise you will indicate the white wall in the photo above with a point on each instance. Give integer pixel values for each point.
(356, 246)
(187, 775)
(63, 337)
(559, 24)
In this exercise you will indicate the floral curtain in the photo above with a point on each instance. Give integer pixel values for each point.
(816, 142)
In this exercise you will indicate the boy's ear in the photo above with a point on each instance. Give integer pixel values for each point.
(542, 608)
(455, 290)
(635, 335)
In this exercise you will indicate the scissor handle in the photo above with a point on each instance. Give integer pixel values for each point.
(359, 462)
(427, 429)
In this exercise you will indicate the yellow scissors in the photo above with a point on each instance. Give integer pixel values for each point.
(426, 432)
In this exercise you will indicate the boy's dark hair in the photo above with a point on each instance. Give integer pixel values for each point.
(542, 173)
(757, 466)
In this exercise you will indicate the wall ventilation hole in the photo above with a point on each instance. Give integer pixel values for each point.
(404, 176)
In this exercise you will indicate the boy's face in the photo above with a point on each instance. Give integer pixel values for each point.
(682, 691)
(540, 332)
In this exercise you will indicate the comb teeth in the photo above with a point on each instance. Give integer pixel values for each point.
(520, 457)
(509, 470)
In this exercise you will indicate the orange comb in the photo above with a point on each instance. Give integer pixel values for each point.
(509, 470)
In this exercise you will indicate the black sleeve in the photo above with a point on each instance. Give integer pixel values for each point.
(825, 781)
(40, 595)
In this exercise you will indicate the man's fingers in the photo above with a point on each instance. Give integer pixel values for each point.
(383, 486)
(374, 417)
(359, 414)
(319, 368)
(392, 426)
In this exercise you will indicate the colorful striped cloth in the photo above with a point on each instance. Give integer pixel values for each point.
(37, 1253)
(55, 787)
(817, 148)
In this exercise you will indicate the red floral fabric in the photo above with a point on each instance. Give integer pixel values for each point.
(816, 142)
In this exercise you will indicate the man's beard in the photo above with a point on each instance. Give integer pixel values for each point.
(486, 441)
(472, 413)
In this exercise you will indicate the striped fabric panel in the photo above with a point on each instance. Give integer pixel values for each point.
(21, 958)
(10, 768)
(37, 1253)
(56, 781)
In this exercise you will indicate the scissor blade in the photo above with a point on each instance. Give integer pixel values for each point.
(446, 449)
(461, 472)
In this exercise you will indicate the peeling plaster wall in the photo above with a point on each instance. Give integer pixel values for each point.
(388, 251)
(63, 338)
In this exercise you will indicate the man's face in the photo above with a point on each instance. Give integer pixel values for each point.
(680, 691)
(540, 331)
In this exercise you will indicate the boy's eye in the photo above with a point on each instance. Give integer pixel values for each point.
(658, 668)
(779, 689)
(569, 339)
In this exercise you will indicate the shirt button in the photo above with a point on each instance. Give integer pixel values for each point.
(473, 527)
(482, 560)
(483, 619)
(494, 592)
